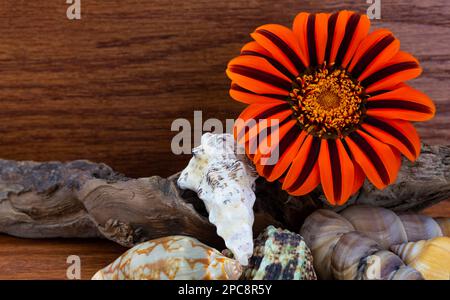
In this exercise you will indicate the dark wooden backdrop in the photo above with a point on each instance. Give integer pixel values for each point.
(107, 87)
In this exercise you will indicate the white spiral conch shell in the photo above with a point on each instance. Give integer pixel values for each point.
(225, 180)
(174, 258)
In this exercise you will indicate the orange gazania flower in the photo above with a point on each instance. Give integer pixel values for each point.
(339, 95)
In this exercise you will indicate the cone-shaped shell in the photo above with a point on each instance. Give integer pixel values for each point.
(431, 258)
(174, 257)
(280, 255)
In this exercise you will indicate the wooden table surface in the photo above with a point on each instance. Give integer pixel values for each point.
(107, 87)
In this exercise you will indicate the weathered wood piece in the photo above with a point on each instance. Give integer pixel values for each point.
(84, 199)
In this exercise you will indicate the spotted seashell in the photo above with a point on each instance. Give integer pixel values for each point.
(173, 257)
(280, 255)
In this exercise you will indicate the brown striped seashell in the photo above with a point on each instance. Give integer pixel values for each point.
(430, 257)
(355, 243)
(332, 226)
(173, 258)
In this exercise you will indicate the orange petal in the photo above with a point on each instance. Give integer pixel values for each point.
(378, 160)
(258, 75)
(321, 34)
(254, 49)
(403, 103)
(340, 25)
(240, 94)
(360, 177)
(282, 44)
(398, 133)
(300, 30)
(402, 67)
(336, 171)
(257, 117)
(316, 38)
(375, 50)
(361, 32)
(288, 149)
(303, 175)
(267, 148)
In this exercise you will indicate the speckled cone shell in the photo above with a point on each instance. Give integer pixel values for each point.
(224, 179)
(280, 255)
(174, 257)
(431, 258)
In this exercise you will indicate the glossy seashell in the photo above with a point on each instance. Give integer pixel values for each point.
(322, 242)
(355, 243)
(221, 175)
(419, 227)
(280, 255)
(173, 257)
(379, 224)
(407, 273)
(431, 258)
(347, 253)
(385, 265)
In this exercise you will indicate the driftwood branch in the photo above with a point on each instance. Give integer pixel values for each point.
(85, 199)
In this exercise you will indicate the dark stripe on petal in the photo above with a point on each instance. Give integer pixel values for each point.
(388, 71)
(271, 111)
(255, 141)
(350, 29)
(372, 155)
(264, 115)
(392, 131)
(347, 148)
(261, 76)
(239, 88)
(284, 144)
(371, 54)
(293, 57)
(272, 61)
(309, 164)
(331, 26)
(376, 93)
(311, 38)
(335, 168)
(399, 104)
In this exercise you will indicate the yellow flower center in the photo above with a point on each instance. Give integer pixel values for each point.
(327, 103)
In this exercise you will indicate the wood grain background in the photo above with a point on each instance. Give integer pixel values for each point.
(107, 87)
